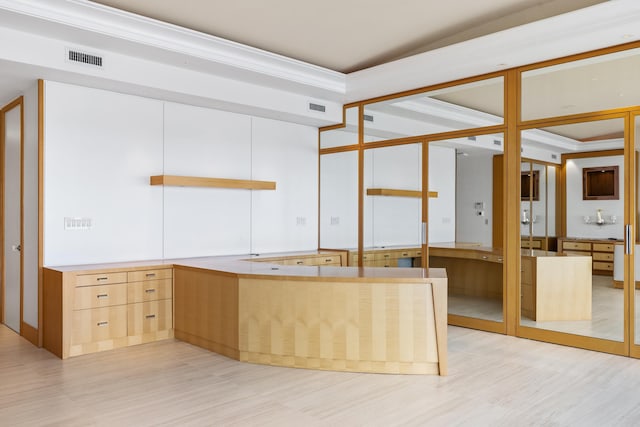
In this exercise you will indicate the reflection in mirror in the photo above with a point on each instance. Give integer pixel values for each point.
(593, 84)
(346, 135)
(339, 200)
(461, 221)
(392, 218)
(467, 106)
(573, 290)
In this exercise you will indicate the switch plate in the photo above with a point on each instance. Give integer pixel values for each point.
(76, 223)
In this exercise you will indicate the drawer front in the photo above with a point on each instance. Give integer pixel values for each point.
(138, 276)
(526, 297)
(384, 256)
(99, 296)
(602, 256)
(295, 261)
(607, 266)
(577, 253)
(149, 290)
(526, 276)
(98, 324)
(535, 244)
(576, 246)
(101, 279)
(603, 247)
(146, 317)
(328, 260)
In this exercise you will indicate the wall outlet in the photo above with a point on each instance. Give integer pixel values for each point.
(301, 220)
(335, 220)
(74, 223)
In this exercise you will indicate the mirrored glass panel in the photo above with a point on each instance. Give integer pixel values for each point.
(393, 206)
(467, 106)
(339, 200)
(347, 135)
(463, 171)
(574, 289)
(594, 84)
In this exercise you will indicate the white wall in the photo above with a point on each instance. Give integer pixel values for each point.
(101, 147)
(475, 184)
(543, 210)
(578, 208)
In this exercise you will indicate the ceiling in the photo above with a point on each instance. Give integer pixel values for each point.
(351, 35)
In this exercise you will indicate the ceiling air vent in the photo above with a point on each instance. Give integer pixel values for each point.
(497, 142)
(471, 138)
(367, 117)
(316, 107)
(84, 58)
(554, 156)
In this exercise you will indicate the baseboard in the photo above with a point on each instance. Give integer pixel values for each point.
(619, 284)
(29, 333)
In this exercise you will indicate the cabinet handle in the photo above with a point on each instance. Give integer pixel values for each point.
(149, 290)
(327, 260)
(150, 275)
(485, 257)
(100, 296)
(103, 323)
(299, 262)
(101, 278)
(150, 316)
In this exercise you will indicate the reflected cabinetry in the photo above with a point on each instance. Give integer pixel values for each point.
(600, 250)
(384, 257)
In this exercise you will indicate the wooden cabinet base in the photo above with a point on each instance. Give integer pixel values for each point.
(383, 325)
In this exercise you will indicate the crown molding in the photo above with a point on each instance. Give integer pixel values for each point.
(135, 30)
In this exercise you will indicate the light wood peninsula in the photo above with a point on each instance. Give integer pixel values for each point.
(294, 310)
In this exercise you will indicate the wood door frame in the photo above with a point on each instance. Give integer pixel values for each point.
(16, 103)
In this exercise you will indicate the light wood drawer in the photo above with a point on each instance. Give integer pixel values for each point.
(98, 324)
(418, 253)
(328, 260)
(526, 276)
(383, 256)
(407, 254)
(577, 253)
(603, 247)
(138, 276)
(295, 261)
(99, 296)
(535, 244)
(152, 316)
(576, 246)
(526, 295)
(608, 266)
(602, 256)
(101, 279)
(149, 290)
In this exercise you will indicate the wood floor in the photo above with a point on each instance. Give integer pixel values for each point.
(494, 380)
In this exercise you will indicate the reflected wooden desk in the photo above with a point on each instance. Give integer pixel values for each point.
(553, 286)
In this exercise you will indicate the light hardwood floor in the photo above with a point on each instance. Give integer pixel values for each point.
(494, 380)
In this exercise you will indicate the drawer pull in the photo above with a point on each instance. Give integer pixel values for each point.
(101, 296)
(149, 290)
(499, 259)
(485, 257)
(150, 275)
(327, 260)
(299, 262)
(150, 316)
(101, 278)
(405, 254)
(105, 323)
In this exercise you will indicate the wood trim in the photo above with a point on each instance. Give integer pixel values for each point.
(398, 193)
(21, 214)
(29, 333)
(41, 89)
(194, 181)
(615, 113)
(629, 218)
(360, 184)
(2, 186)
(587, 154)
(424, 259)
(498, 201)
(579, 341)
(475, 323)
(340, 149)
(511, 206)
(487, 130)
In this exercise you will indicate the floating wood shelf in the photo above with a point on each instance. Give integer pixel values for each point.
(194, 181)
(398, 193)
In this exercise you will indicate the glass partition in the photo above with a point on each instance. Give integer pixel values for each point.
(339, 200)
(466, 106)
(393, 203)
(636, 155)
(574, 290)
(594, 84)
(461, 223)
(345, 135)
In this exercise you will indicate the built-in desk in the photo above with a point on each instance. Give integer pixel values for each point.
(553, 286)
(310, 314)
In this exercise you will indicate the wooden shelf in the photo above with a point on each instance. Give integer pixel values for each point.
(398, 193)
(194, 181)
